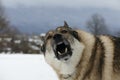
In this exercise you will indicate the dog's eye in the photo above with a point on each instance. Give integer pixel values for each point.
(64, 31)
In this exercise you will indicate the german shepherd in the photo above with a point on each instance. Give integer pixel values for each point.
(77, 55)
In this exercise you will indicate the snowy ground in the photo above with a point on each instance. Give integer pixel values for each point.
(25, 67)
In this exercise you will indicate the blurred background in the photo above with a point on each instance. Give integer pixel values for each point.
(38, 16)
(23, 24)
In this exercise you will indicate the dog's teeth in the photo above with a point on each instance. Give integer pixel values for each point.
(59, 53)
(66, 50)
(60, 43)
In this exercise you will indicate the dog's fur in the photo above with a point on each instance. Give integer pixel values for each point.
(90, 57)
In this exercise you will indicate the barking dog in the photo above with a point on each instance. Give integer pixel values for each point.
(78, 55)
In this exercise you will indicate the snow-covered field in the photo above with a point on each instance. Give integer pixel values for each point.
(25, 67)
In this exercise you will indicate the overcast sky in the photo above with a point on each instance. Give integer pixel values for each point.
(111, 4)
(109, 9)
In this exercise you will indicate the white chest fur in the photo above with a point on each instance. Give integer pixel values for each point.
(69, 66)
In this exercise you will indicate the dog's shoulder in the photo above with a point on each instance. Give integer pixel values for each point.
(116, 51)
(116, 59)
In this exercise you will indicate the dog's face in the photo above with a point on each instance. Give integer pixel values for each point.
(61, 44)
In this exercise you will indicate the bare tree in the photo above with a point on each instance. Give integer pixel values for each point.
(3, 22)
(5, 27)
(1, 9)
(117, 33)
(97, 25)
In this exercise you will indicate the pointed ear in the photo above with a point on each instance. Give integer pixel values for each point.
(65, 24)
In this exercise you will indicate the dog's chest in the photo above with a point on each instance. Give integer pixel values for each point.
(67, 68)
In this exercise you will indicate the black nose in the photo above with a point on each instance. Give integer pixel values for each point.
(57, 37)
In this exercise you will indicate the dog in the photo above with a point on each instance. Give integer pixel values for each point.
(78, 55)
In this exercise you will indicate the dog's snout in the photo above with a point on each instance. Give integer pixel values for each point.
(57, 36)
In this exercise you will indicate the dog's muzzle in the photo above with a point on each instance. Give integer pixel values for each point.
(61, 47)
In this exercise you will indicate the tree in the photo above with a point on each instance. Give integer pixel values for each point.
(97, 25)
(3, 22)
(5, 27)
(117, 34)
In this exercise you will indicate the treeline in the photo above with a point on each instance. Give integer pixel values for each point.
(20, 44)
(11, 39)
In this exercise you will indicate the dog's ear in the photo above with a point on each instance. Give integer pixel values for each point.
(66, 25)
(75, 34)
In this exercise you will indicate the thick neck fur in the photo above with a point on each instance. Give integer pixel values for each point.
(83, 65)
(89, 43)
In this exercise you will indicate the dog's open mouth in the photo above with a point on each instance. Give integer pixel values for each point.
(63, 50)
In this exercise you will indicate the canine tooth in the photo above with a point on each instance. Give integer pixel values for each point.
(66, 49)
(59, 53)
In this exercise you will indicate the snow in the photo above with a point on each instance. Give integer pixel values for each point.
(8, 39)
(42, 34)
(25, 67)
(37, 41)
(17, 41)
(34, 47)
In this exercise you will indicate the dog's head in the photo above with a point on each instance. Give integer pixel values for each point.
(61, 43)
